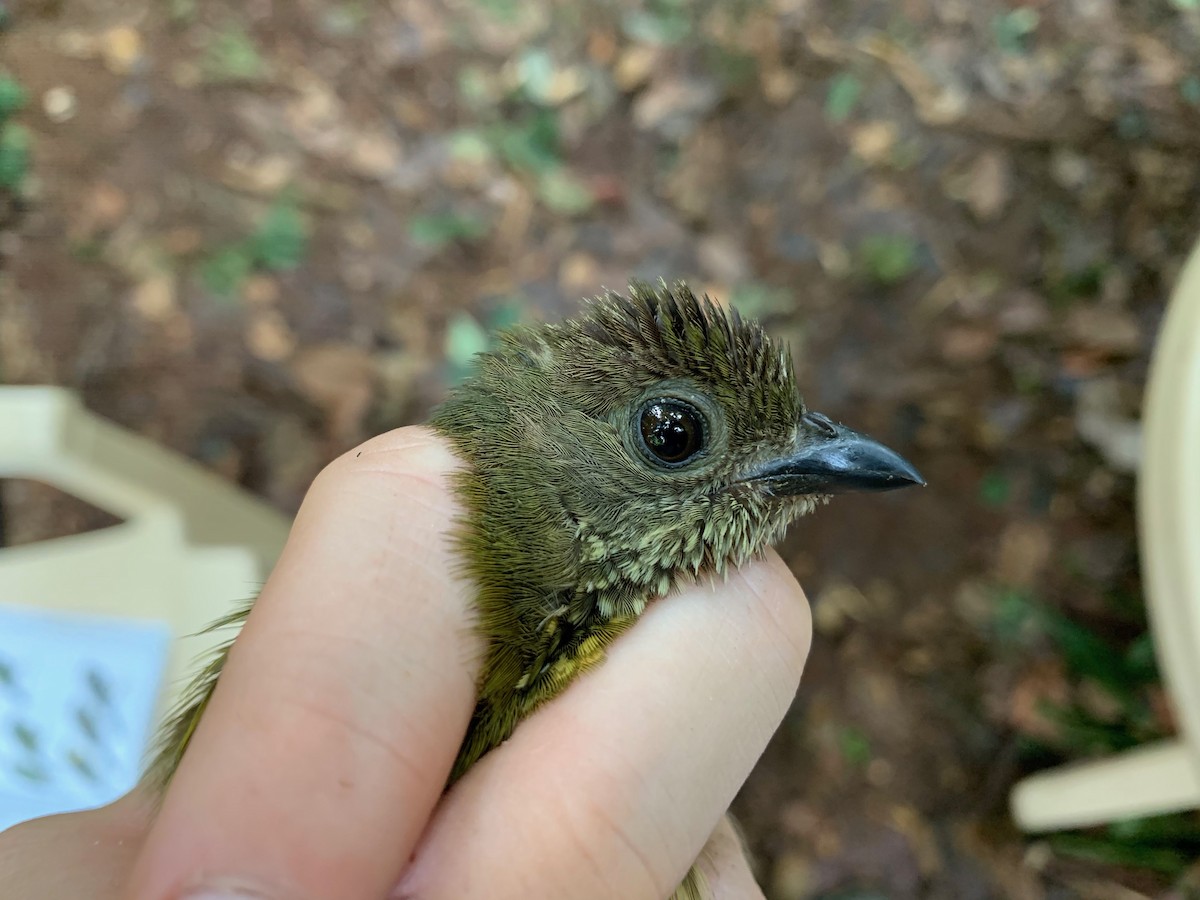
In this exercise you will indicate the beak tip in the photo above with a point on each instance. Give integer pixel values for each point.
(913, 477)
(883, 469)
(838, 460)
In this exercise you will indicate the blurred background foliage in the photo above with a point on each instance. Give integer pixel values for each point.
(259, 232)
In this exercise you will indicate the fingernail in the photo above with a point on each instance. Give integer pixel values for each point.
(227, 889)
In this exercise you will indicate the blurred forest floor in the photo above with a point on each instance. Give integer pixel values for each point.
(259, 232)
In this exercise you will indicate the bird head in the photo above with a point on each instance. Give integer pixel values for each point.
(656, 434)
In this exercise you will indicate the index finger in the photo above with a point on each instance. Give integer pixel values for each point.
(340, 709)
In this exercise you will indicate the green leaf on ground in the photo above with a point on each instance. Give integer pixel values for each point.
(564, 193)
(535, 70)
(465, 339)
(14, 155)
(888, 258)
(842, 97)
(1013, 29)
(225, 270)
(1189, 89)
(12, 97)
(232, 55)
(281, 240)
(855, 746)
(437, 229)
(756, 300)
(664, 22)
(470, 146)
(1100, 849)
(531, 145)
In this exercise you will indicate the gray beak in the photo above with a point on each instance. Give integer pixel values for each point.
(832, 459)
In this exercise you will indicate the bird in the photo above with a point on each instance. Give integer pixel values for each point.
(654, 438)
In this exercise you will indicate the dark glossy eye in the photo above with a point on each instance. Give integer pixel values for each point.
(672, 431)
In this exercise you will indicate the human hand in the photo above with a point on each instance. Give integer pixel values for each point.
(317, 771)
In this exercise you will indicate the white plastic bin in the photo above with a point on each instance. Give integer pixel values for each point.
(130, 598)
(1163, 777)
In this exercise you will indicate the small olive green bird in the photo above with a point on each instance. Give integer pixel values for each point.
(655, 437)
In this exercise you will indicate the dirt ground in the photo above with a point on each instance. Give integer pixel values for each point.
(259, 232)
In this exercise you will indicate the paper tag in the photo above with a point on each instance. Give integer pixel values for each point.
(77, 705)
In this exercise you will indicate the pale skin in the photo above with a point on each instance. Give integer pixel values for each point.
(317, 772)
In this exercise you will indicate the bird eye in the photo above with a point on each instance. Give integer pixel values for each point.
(672, 431)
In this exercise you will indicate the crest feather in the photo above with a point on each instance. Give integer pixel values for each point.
(671, 329)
